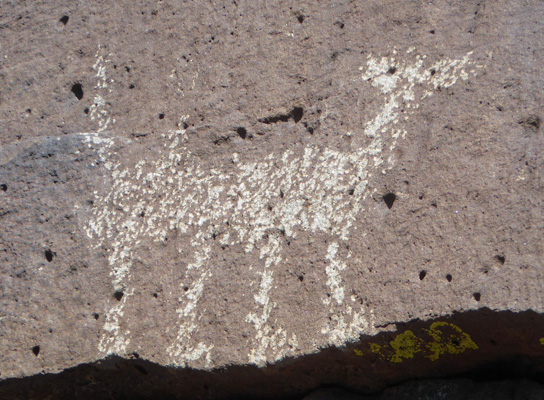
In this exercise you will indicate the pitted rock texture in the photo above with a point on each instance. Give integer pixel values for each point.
(210, 184)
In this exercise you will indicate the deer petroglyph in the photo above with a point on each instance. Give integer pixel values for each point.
(322, 190)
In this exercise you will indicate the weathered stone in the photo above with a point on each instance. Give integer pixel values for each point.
(297, 194)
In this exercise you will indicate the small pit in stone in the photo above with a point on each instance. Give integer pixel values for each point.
(49, 255)
(242, 132)
(4, 187)
(161, 116)
(501, 259)
(297, 114)
(477, 296)
(422, 275)
(389, 199)
(449, 277)
(392, 70)
(77, 90)
(64, 19)
(118, 295)
(532, 122)
(36, 350)
(96, 316)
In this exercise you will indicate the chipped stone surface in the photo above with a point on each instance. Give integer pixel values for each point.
(242, 184)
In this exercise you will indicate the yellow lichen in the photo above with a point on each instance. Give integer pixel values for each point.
(358, 352)
(375, 348)
(447, 339)
(405, 345)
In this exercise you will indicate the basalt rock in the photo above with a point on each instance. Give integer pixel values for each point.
(205, 200)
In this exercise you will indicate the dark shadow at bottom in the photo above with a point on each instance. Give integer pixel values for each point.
(480, 345)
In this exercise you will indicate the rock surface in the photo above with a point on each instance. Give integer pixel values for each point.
(462, 389)
(214, 185)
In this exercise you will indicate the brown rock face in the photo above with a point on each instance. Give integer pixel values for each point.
(259, 198)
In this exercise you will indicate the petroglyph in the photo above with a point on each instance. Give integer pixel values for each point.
(99, 109)
(314, 189)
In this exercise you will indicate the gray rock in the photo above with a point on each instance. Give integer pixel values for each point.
(349, 190)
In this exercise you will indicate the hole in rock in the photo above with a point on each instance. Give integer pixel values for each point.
(297, 113)
(431, 31)
(131, 86)
(433, 71)
(389, 199)
(449, 277)
(242, 132)
(155, 295)
(500, 258)
(301, 278)
(300, 18)
(422, 275)
(49, 255)
(86, 111)
(477, 296)
(3, 187)
(392, 70)
(161, 116)
(532, 122)
(118, 295)
(64, 19)
(77, 90)
(95, 315)
(186, 288)
(36, 350)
